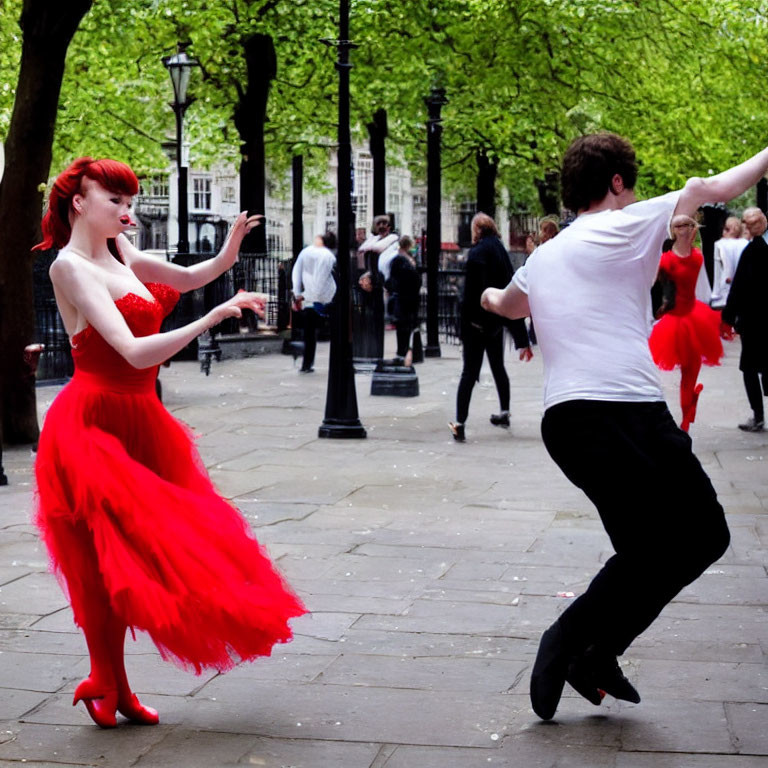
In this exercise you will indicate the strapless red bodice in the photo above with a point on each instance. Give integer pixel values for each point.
(101, 365)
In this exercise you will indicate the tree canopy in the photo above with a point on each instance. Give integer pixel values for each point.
(681, 78)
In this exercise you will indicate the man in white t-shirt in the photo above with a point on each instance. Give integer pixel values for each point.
(606, 423)
(313, 289)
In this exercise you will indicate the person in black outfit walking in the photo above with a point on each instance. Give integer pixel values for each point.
(404, 286)
(745, 309)
(482, 332)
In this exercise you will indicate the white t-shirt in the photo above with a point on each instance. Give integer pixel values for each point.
(589, 293)
(312, 275)
(387, 247)
(727, 254)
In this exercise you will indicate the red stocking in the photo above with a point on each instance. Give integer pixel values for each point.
(689, 391)
(90, 604)
(127, 702)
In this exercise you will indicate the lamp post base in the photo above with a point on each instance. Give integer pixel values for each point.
(430, 351)
(342, 429)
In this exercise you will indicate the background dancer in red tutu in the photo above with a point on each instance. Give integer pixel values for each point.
(135, 530)
(689, 332)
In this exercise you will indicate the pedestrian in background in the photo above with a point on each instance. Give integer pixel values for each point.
(726, 258)
(482, 332)
(747, 311)
(404, 287)
(313, 289)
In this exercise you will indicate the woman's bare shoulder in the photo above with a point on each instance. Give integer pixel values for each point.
(69, 268)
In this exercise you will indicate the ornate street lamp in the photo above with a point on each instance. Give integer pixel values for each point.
(180, 67)
(341, 416)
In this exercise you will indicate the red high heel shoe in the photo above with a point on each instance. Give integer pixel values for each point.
(101, 705)
(136, 712)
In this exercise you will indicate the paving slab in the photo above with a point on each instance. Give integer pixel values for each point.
(431, 568)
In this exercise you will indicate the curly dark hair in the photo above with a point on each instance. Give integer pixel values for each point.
(589, 165)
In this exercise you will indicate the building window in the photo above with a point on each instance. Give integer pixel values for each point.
(275, 237)
(361, 197)
(159, 236)
(201, 192)
(395, 197)
(228, 193)
(155, 186)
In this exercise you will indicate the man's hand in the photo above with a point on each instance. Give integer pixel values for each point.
(727, 331)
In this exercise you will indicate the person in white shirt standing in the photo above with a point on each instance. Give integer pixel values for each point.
(381, 241)
(313, 289)
(606, 423)
(727, 252)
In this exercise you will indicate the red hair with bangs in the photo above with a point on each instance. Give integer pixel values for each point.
(113, 175)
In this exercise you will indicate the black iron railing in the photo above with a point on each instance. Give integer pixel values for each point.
(55, 363)
(265, 273)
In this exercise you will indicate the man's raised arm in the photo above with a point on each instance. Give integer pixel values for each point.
(724, 186)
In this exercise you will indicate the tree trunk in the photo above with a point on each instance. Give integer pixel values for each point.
(549, 193)
(250, 116)
(486, 183)
(47, 29)
(377, 132)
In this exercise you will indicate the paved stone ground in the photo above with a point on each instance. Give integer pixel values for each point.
(431, 569)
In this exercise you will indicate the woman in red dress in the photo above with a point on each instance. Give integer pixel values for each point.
(688, 333)
(136, 532)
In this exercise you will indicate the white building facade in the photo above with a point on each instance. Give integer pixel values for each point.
(213, 204)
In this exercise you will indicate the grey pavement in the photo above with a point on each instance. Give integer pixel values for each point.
(431, 569)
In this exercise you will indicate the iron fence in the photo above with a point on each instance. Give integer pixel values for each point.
(450, 286)
(265, 273)
(55, 363)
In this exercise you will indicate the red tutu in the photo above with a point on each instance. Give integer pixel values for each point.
(691, 331)
(675, 339)
(122, 493)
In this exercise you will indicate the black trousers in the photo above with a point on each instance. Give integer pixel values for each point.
(310, 320)
(657, 506)
(755, 392)
(476, 343)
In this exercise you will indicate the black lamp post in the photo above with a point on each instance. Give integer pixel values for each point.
(434, 102)
(341, 416)
(180, 67)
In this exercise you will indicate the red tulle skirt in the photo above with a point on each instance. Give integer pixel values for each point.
(678, 339)
(123, 498)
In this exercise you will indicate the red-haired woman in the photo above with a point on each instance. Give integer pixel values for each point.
(689, 333)
(135, 530)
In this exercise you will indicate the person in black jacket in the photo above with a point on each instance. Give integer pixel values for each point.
(745, 310)
(482, 332)
(404, 286)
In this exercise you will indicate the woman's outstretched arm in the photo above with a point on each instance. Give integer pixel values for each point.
(92, 300)
(153, 270)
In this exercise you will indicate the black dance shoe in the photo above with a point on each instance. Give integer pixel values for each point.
(549, 672)
(581, 681)
(596, 671)
(457, 430)
(753, 425)
(500, 419)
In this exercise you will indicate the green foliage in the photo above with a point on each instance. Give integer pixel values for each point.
(10, 52)
(682, 78)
